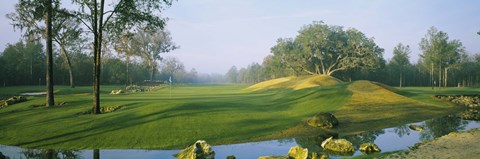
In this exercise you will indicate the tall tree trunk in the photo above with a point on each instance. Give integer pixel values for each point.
(69, 65)
(431, 77)
(152, 73)
(440, 75)
(32, 80)
(98, 19)
(128, 74)
(49, 72)
(445, 76)
(323, 67)
(401, 79)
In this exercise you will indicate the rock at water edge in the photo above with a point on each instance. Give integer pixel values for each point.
(324, 120)
(369, 148)
(199, 150)
(337, 145)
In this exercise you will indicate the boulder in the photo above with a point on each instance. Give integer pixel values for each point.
(199, 150)
(324, 120)
(298, 153)
(301, 153)
(416, 127)
(338, 145)
(231, 157)
(369, 148)
(116, 91)
(12, 100)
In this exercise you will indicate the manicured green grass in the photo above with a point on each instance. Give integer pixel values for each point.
(219, 114)
(216, 113)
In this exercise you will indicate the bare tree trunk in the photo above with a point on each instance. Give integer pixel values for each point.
(69, 65)
(431, 77)
(440, 79)
(152, 72)
(128, 75)
(323, 67)
(445, 76)
(49, 73)
(401, 79)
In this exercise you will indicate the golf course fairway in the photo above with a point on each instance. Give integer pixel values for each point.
(220, 114)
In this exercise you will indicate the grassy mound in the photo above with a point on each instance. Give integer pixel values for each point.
(373, 103)
(296, 83)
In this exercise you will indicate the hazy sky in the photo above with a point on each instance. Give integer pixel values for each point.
(217, 34)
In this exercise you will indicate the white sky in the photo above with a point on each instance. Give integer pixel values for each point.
(216, 34)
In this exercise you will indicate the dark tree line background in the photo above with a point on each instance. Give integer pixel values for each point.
(442, 62)
(23, 63)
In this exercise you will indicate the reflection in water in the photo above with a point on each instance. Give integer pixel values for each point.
(365, 137)
(441, 126)
(96, 154)
(390, 139)
(50, 154)
(402, 130)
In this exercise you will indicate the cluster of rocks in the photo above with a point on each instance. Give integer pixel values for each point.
(103, 110)
(471, 101)
(12, 100)
(201, 150)
(134, 89)
(470, 114)
(109, 109)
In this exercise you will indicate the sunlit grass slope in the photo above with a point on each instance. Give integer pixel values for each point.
(374, 105)
(296, 83)
(219, 114)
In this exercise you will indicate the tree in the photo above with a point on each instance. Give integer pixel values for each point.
(440, 53)
(171, 66)
(323, 49)
(29, 14)
(68, 37)
(273, 67)
(286, 51)
(65, 30)
(232, 74)
(22, 63)
(125, 15)
(124, 46)
(400, 60)
(150, 44)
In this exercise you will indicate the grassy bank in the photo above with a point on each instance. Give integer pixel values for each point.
(219, 114)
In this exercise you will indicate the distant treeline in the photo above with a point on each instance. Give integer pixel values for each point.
(347, 54)
(23, 63)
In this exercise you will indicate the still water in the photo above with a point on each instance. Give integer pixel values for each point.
(389, 139)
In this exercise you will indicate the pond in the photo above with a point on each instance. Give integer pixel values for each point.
(389, 139)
